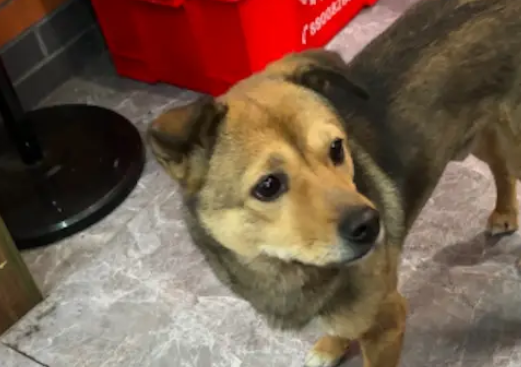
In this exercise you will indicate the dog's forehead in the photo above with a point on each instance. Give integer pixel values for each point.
(269, 105)
(274, 120)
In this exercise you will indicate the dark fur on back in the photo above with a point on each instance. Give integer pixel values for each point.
(474, 71)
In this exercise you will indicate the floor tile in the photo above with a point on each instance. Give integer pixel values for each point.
(11, 358)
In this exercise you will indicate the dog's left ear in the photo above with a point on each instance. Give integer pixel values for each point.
(182, 139)
(326, 73)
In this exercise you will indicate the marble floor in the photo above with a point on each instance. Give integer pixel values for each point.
(132, 291)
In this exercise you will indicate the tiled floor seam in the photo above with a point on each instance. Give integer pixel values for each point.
(24, 355)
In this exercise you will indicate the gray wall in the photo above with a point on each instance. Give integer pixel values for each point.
(53, 50)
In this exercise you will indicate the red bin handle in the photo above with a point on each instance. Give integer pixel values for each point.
(171, 3)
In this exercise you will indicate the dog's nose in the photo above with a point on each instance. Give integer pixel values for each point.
(360, 225)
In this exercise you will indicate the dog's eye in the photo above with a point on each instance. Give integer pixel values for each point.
(336, 152)
(270, 187)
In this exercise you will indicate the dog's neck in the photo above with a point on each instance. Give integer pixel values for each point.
(288, 294)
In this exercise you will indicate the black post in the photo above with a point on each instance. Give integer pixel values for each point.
(12, 113)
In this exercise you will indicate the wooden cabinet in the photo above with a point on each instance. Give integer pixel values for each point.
(18, 292)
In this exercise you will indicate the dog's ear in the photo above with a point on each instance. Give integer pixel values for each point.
(182, 139)
(326, 73)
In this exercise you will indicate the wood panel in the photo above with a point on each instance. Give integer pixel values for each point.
(19, 15)
(18, 292)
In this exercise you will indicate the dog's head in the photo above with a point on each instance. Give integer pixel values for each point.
(267, 166)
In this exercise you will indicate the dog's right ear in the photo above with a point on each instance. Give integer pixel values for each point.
(325, 72)
(182, 139)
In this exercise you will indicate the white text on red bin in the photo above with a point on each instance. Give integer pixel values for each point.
(312, 28)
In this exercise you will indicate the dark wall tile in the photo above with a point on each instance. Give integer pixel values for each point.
(22, 56)
(60, 68)
(67, 23)
(88, 46)
(39, 84)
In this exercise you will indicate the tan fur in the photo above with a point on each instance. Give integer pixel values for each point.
(442, 83)
(286, 229)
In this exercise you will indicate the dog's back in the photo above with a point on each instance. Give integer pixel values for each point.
(446, 46)
(446, 69)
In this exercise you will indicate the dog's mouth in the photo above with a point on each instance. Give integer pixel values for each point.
(343, 253)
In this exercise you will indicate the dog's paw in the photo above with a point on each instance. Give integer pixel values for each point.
(328, 351)
(502, 223)
(322, 359)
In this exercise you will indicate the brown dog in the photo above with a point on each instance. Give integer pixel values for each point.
(302, 181)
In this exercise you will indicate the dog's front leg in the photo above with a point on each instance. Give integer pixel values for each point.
(328, 351)
(382, 344)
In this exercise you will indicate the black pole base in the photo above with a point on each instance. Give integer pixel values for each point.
(92, 159)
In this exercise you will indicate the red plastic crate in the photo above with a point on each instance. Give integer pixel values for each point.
(208, 45)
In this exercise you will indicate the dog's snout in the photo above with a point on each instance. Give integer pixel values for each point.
(360, 225)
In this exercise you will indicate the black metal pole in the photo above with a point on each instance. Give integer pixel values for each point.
(19, 130)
